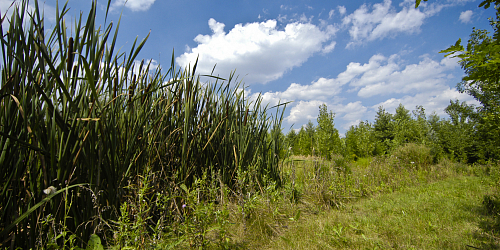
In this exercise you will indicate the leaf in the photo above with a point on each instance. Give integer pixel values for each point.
(94, 243)
(417, 3)
(453, 49)
(183, 186)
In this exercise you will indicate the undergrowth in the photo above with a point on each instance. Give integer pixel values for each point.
(217, 217)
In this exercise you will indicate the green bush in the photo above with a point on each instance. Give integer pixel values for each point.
(414, 155)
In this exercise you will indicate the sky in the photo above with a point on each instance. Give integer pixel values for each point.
(353, 56)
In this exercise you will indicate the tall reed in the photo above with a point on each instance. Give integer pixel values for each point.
(72, 112)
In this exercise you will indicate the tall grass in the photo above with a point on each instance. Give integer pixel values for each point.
(81, 116)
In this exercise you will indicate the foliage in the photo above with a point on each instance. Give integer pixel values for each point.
(292, 142)
(305, 141)
(413, 155)
(76, 110)
(457, 135)
(327, 136)
(480, 61)
(383, 129)
(361, 141)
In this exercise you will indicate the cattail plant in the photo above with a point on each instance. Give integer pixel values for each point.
(71, 120)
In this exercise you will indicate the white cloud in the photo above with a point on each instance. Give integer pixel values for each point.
(424, 83)
(327, 49)
(381, 22)
(431, 101)
(331, 13)
(134, 5)
(259, 51)
(383, 76)
(345, 115)
(304, 111)
(284, 7)
(342, 10)
(351, 114)
(321, 89)
(466, 16)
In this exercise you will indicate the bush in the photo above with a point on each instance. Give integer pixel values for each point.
(411, 154)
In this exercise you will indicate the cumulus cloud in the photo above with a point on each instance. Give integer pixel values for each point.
(342, 10)
(304, 110)
(382, 21)
(466, 16)
(259, 51)
(383, 76)
(431, 101)
(134, 5)
(423, 83)
(351, 113)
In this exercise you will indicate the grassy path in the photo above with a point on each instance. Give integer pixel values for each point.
(441, 215)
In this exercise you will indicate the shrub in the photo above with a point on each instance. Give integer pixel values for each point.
(414, 155)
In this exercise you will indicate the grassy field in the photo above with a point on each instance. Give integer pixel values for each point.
(446, 214)
(100, 151)
(374, 203)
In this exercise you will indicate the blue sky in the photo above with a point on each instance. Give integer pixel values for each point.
(354, 56)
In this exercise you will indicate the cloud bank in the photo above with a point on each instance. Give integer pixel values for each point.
(259, 51)
(382, 20)
(424, 83)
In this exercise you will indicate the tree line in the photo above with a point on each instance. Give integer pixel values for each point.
(471, 133)
(464, 136)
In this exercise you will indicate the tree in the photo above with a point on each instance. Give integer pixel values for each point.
(360, 141)
(383, 128)
(406, 129)
(480, 60)
(402, 114)
(455, 137)
(327, 136)
(310, 130)
(458, 133)
(303, 142)
(421, 125)
(291, 140)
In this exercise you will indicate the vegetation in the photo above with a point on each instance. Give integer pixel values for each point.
(87, 120)
(100, 149)
(441, 215)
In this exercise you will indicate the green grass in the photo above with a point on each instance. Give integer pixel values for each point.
(79, 111)
(440, 215)
(141, 162)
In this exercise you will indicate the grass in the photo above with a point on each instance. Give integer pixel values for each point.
(442, 215)
(138, 161)
(359, 205)
(79, 112)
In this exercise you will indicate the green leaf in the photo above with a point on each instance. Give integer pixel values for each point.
(417, 3)
(94, 243)
(453, 49)
(183, 186)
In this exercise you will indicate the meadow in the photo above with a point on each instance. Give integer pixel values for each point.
(99, 150)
